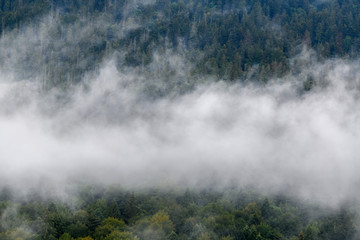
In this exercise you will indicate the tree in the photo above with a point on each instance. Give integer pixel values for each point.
(162, 221)
(311, 232)
(108, 226)
(131, 208)
(114, 210)
(65, 236)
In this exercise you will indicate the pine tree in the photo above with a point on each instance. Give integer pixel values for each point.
(114, 210)
(131, 208)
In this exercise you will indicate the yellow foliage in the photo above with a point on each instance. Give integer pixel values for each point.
(85, 238)
(227, 238)
(162, 220)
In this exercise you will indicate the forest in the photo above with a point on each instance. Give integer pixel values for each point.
(165, 52)
(114, 214)
(224, 39)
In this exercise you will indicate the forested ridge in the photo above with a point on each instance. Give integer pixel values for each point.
(158, 47)
(231, 40)
(113, 213)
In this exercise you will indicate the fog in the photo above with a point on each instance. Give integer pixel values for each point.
(274, 137)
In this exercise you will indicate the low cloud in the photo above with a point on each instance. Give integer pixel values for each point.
(276, 138)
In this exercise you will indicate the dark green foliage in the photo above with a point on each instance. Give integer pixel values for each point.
(93, 222)
(339, 226)
(114, 210)
(131, 208)
(78, 229)
(168, 215)
(225, 39)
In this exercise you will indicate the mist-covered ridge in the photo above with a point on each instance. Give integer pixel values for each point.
(222, 39)
(179, 119)
(277, 136)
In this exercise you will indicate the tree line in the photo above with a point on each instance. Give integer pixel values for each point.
(113, 213)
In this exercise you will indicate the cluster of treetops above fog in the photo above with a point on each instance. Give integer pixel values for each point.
(222, 38)
(203, 215)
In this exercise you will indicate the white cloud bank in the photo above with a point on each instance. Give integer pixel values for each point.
(274, 137)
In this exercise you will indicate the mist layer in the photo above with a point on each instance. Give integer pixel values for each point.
(275, 137)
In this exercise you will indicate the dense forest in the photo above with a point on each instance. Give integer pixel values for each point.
(114, 214)
(225, 39)
(173, 46)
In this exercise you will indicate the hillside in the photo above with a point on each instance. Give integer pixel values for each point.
(232, 40)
